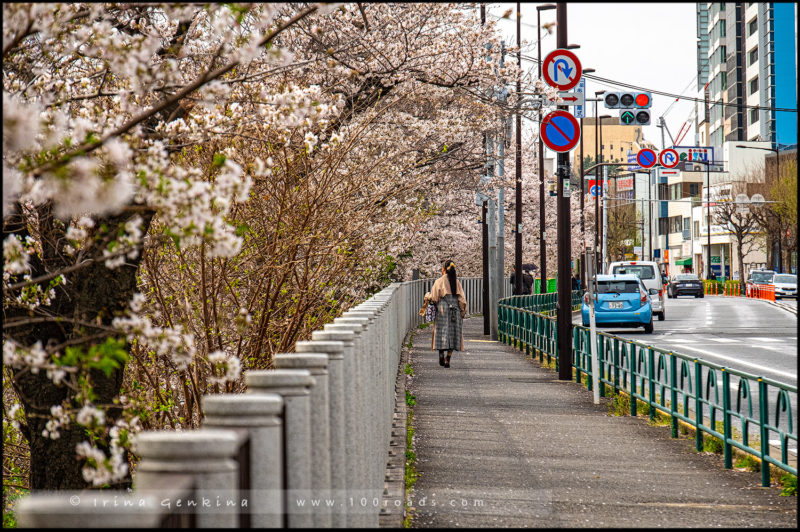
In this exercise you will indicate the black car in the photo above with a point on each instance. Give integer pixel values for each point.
(685, 284)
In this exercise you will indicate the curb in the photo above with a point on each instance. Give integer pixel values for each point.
(392, 510)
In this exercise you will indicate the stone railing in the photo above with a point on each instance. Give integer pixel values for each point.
(306, 446)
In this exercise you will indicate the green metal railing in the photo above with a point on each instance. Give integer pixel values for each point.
(685, 388)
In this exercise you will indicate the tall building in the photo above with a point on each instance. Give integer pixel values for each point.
(747, 71)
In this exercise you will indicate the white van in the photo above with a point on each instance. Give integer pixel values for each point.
(651, 277)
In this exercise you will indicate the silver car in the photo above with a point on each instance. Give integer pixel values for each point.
(785, 285)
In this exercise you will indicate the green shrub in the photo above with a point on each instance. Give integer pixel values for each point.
(789, 482)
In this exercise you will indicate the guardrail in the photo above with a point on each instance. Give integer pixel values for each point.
(761, 291)
(316, 428)
(673, 384)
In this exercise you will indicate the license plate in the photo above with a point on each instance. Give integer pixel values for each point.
(615, 304)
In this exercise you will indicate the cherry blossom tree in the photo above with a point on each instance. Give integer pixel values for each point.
(188, 189)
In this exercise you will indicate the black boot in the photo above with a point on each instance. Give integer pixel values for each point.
(441, 358)
(447, 360)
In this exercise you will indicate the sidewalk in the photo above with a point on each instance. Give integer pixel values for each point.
(501, 442)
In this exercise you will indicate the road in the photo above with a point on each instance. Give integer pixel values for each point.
(749, 335)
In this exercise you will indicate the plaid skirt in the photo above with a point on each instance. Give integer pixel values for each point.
(448, 327)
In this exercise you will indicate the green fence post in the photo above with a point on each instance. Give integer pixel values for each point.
(673, 397)
(698, 404)
(631, 358)
(726, 419)
(615, 391)
(576, 354)
(651, 388)
(601, 354)
(763, 419)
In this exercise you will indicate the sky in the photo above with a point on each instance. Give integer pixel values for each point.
(651, 45)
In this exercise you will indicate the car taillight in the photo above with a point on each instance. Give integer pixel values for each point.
(586, 298)
(659, 295)
(643, 299)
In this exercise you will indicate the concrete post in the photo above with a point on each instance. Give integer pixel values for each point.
(334, 349)
(95, 509)
(261, 416)
(355, 415)
(294, 386)
(342, 422)
(317, 364)
(205, 454)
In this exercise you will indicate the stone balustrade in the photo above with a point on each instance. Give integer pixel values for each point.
(306, 446)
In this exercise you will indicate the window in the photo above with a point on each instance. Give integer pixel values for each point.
(641, 271)
(663, 226)
(663, 191)
(675, 224)
(675, 191)
(697, 228)
(752, 56)
(694, 189)
(753, 85)
(752, 26)
(686, 224)
(753, 116)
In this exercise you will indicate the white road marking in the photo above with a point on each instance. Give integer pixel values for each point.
(777, 443)
(759, 339)
(724, 340)
(743, 363)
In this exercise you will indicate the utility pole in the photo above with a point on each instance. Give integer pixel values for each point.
(564, 307)
(485, 233)
(518, 212)
(501, 211)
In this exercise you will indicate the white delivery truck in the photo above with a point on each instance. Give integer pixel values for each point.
(650, 275)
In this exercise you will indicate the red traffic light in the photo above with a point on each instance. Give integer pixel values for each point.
(643, 100)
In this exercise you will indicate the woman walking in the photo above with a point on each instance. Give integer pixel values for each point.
(451, 304)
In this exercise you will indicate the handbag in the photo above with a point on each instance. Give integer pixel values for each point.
(430, 312)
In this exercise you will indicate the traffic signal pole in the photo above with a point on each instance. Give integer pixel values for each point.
(564, 307)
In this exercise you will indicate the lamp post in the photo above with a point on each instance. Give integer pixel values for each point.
(778, 174)
(542, 251)
(583, 195)
(598, 154)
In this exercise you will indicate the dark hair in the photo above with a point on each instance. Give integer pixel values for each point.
(450, 269)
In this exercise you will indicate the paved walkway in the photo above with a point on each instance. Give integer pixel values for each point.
(501, 442)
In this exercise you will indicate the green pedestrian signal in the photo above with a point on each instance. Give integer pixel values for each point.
(626, 118)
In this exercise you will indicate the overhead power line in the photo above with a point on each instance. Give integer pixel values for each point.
(677, 96)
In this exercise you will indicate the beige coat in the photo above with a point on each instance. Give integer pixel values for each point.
(440, 289)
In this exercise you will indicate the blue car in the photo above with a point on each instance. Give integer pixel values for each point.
(622, 301)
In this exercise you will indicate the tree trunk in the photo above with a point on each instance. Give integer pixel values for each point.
(94, 294)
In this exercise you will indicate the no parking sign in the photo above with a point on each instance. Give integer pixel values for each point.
(560, 131)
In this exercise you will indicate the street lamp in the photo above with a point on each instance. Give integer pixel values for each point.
(598, 157)
(583, 194)
(778, 173)
(542, 253)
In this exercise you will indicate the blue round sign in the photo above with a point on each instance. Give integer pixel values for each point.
(560, 131)
(646, 158)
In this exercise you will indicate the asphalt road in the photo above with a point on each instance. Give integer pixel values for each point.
(748, 335)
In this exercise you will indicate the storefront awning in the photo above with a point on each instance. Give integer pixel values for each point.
(686, 261)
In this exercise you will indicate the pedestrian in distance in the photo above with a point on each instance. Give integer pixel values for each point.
(451, 309)
(513, 280)
(527, 283)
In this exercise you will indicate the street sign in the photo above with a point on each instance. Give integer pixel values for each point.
(594, 189)
(668, 158)
(580, 109)
(571, 98)
(561, 69)
(646, 158)
(560, 131)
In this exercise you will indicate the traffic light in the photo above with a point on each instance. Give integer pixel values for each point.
(634, 117)
(611, 100)
(627, 100)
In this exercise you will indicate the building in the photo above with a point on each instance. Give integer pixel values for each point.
(747, 72)
(618, 140)
(683, 236)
